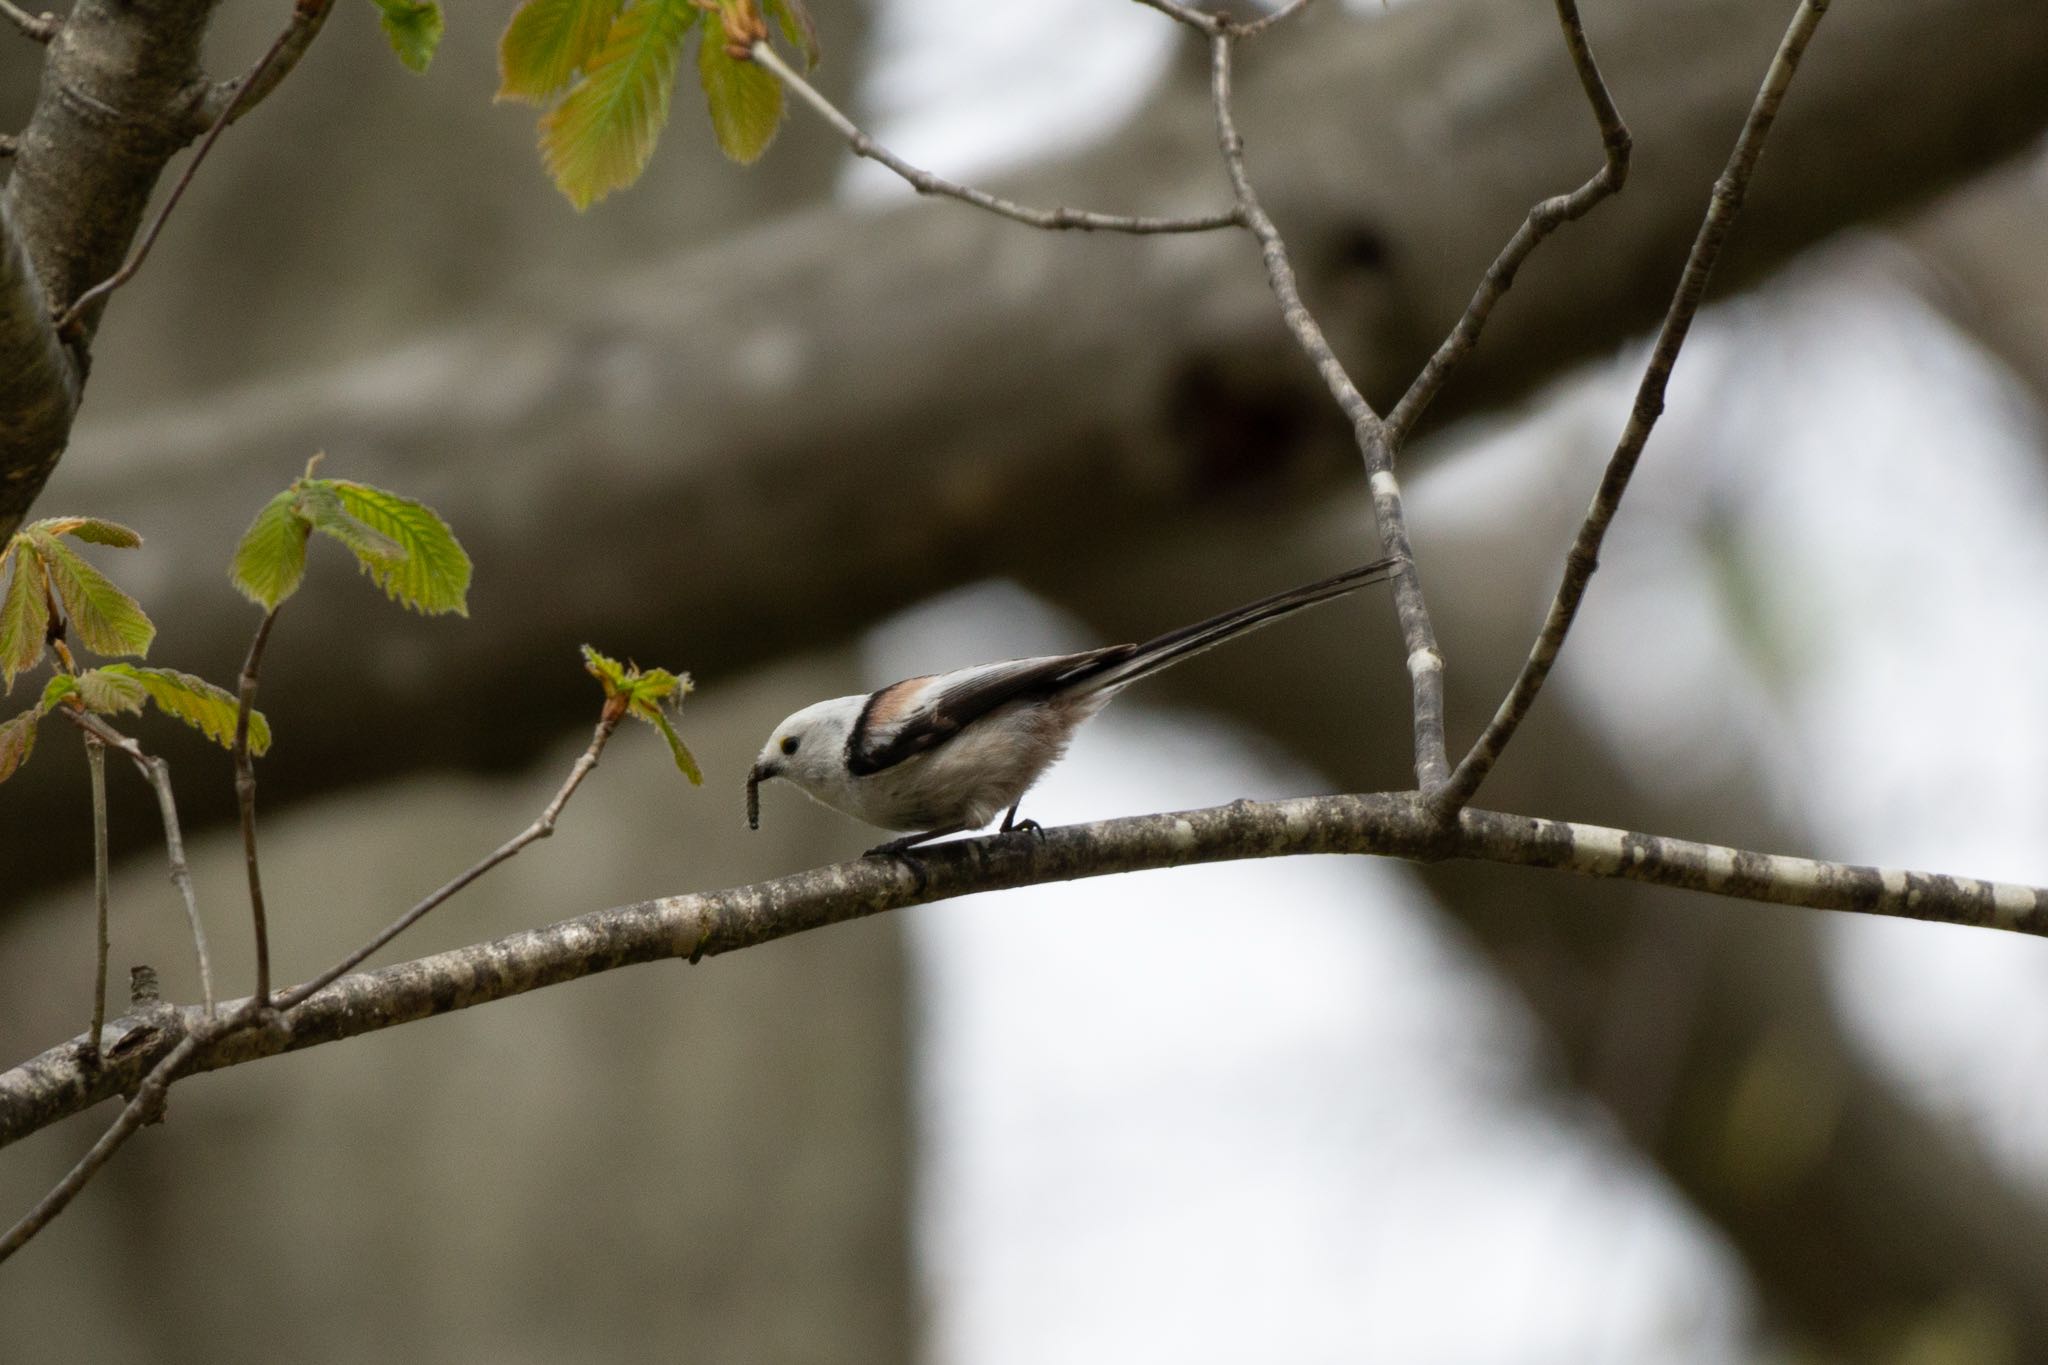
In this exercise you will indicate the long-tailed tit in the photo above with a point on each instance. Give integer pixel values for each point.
(945, 752)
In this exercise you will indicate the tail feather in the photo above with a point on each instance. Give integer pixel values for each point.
(1176, 645)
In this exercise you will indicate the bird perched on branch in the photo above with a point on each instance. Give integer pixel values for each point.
(943, 753)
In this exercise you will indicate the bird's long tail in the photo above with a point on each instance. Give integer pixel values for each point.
(1176, 645)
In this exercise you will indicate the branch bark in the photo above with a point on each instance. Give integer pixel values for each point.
(61, 1082)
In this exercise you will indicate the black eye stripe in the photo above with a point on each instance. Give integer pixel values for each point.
(789, 744)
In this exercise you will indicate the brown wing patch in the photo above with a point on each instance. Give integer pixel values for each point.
(893, 702)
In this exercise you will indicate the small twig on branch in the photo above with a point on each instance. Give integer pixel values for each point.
(237, 97)
(1219, 25)
(41, 27)
(1544, 219)
(1054, 219)
(1425, 660)
(69, 321)
(245, 798)
(158, 774)
(96, 759)
(1584, 556)
(212, 1028)
(541, 828)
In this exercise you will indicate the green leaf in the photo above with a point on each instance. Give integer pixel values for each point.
(105, 619)
(745, 100)
(208, 709)
(320, 503)
(599, 138)
(794, 19)
(93, 529)
(433, 577)
(24, 610)
(108, 690)
(59, 687)
(547, 42)
(606, 670)
(17, 740)
(684, 759)
(413, 28)
(271, 559)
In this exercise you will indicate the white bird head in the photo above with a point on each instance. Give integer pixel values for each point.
(807, 749)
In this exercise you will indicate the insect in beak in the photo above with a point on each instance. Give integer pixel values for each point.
(755, 777)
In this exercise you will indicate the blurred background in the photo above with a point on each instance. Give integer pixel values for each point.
(801, 434)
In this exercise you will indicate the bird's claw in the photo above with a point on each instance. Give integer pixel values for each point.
(1026, 827)
(907, 858)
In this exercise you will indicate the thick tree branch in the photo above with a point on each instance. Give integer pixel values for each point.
(38, 383)
(230, 100)
(58, 1083)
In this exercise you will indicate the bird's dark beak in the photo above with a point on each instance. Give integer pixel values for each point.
(758, 774)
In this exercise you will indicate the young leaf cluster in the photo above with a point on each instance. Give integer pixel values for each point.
(412, 27)
(403, 545)
(612, 63)
(647, 694)
(43, 579)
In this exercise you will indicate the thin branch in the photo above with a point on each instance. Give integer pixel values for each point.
(245, 797)
(54, 1085)
(147, 1103)
(1220, 25)
(211, 1029)
(71, 320)
(158, 774)
(1255, 27)
(541, 828)
(234, 98)
(96, 759)
(1425, 660)
(1544, 219)
(41, 27)
(1054, 219)
(1584, 556)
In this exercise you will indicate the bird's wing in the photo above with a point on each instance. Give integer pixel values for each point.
(916, 715)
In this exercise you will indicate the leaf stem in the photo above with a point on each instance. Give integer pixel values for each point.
(96, 760)
(245, 797)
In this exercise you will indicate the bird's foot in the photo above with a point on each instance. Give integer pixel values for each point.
(1025, 827)
(899, 849)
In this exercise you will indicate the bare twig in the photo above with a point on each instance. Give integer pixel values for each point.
(1253, 28)
(69, 321)
(238, 96)
(245, 797)
(1425, 660)
(701, 924)
(1054, 219)
(148, 1102)
(1584, 556)
(41, 27)
(541, 828)
(1218, 25)
(212, 1028)
(1544, 219)
(158, 774)
(96, 759)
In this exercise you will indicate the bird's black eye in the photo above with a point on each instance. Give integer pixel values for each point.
(789, 744)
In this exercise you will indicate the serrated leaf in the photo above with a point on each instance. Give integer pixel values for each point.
(206, 708)
(794, 19)
(271, 558)
(319, 502)
(647, 690)
(109, 690)
(17, 741)
(605, 669)
(599, 138)
(94, 529)
(745, 100)
(59, 687)
(105, 619)
(413, 28)
(24, 610)
(433, 577)
(547, 42)
(685, 761)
